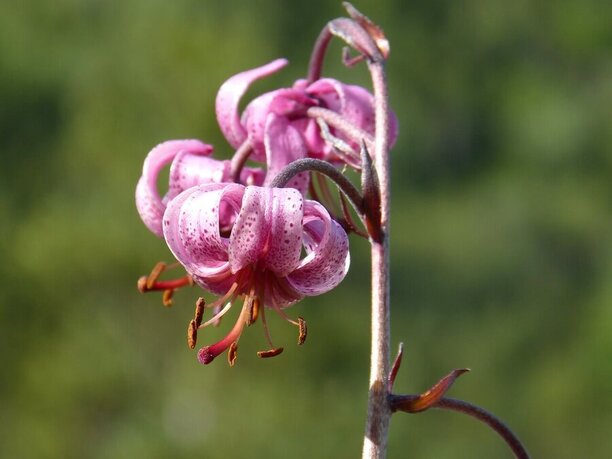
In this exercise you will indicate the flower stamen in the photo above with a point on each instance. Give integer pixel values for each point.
(300, 323)
(303, 331)
(199, 311)
(192, 334)
(254, 310)
(167, 297)
(249, 303)
(217, 316)
(218, 302)
(273, 351)
(152, 283)
(270, 353)
(232, 354)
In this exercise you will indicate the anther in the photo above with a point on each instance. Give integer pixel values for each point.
(167, 297)
(152, 282)
(159, 268)
(232, 354)
(199, 311)
(192, 334)
(303, 331)
(270, 353)
(253, 311)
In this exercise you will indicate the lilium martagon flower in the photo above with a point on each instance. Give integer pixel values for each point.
(191, 164)
(260, 261)
(354, 105)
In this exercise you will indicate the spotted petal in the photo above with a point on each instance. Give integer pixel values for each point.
(287, 102)
(284, 144)
(229, 96)
(148, 202)
(192, 232)
(327, 260)
(188, 170)
(285, 240)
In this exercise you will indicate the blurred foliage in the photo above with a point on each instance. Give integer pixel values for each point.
(502, 241)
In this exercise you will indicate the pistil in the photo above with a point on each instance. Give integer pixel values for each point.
(208, 353)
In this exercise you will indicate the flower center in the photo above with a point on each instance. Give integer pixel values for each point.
(249, 286)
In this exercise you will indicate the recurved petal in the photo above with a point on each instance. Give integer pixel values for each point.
(327, 260)
(286, 102)
(148, 202)
(191, 230)
(285, 212)
(284, 144)
(251, 228)
(229, 96)
(267, 230)
(188, 170)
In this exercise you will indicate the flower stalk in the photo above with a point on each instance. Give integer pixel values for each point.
(368, 40)
(379, 412)
(250, 234)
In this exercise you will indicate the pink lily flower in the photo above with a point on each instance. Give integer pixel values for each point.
(191, 166)
(354, 103)
(260, 259)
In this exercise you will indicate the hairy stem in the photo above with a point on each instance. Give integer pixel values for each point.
(379, 411)
(323, 167)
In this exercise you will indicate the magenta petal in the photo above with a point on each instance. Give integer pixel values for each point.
(252, 176)
(359, 110)
(188, 170)
(327, 260)
(251, 229)
(284, 144)
(254, 119)
(286, 102)
(191, 230)
(331, 91)
(268, 230)
(229, 96)
(353, 102)
(315, 145)
(285, 212)
(148, 202)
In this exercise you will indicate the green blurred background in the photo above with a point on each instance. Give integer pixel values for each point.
(502, 242)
